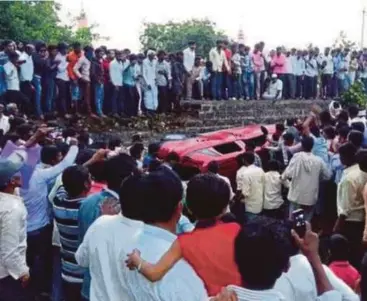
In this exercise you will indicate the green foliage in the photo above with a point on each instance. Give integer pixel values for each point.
(174, 36)
(355, 95)
(38, 20)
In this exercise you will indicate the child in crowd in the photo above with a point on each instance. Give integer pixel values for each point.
(339, 248)
(210, 247)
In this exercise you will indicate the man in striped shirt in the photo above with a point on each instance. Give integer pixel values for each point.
(76, 185)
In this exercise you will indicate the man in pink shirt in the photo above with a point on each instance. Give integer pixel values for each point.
(278, 63)
(227, 77)
(259, 67)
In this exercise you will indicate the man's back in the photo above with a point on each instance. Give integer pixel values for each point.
(111, 238)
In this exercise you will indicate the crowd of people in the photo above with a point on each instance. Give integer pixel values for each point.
(77, 215)
(66, 79)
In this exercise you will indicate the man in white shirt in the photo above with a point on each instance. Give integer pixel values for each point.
(213, 167)
(110, 238)
(299, 72)
(26, 71)
(305, 171)
(4, 121)
(14, 272)
(116, 69)
(62, 78)
(327, 71)
(290, 79)
(274, 90)
(150, 76)
(13, 93)
(218, 58)
(188, 61)
(250, 185)
(311, 73)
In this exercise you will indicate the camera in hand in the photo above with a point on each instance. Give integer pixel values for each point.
(299, 222)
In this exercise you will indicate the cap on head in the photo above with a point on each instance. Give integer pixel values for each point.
(11, 165)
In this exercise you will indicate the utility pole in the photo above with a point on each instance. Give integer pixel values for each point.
(362, 29)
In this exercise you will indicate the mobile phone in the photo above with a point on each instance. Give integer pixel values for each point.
(299, 222)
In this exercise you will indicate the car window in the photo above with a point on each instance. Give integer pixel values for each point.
(227, 148)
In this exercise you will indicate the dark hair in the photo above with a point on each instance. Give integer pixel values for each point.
(23, 129)
(329, 132)
(62, 46)
(273, 165)
(347, 154)
(83, 156)
(279, 127)
(161, 52)
(114, 142)
(207, 196)
(336, 104)
(307, 144)
(13, 56)
(325, 118)
(343, 116)
(213, 167)
(154, 165)
(133, 57)
(136, 150)
(315, 131)
(339, 248)
(358, 126)
(74, 179)
(88, 49)
(49, 154)
(353, 111)
(288, 137)
(51, 48)
(98, 50)
(153, 149)
(118, 168)
(252, 247)
(248, 158)
(343, 131)
(191, 43)
(172, 156)
(76, 45)
(151, 198)
(356, 138)
(361, 157)
(290, 121)
(250, 146)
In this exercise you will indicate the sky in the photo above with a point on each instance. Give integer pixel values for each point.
(293, 23)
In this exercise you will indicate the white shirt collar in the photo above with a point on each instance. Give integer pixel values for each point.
(244, 294)
(113, 193)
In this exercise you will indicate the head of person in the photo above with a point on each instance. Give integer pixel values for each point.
(136, 151)
(316, 51)
(41, 49)
(8, 46)
(241, 48)
(293, 51)
(261, 45)
(99, 53)
(274, 165)
(279, 128)
(161, 55)
(197, 61)
(250, 146)
(315, 131)
(252, 246)
(248, 158)
(76, 181)
(63, 48)
(299, 53)
(118, 55)
(29, 49)
(234, 48)
(9, 171)
(24, 131)
(52, 50)
(225, 44)
(213, 167)
(88, 52)
(279, 51)
(117, 169)
(327, 51)
(325, 118)
(133, 59)
(288, 54)
(343, 132)
(247, 50)
(153, 198)
(151, 54)
(51, 155)
(307, 144)
(356, 138)
(329, 132)
(353, 111)
(110, 54)
(141, 58)
(288, 139)
(220, 44)
(347, 154)
(172, 159)
(179, 56)
(274, 78)
(358, 126)
(126, 51)
(343, 116)
(362, 160)
(13, 57)
(77, 47)
(192, 45)
(207, 196)
(339, 248)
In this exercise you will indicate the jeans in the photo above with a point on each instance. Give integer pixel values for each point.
(99, 97)
(309, 87)
(257, 82)
(38, 94)
(75, 91)
(62, 87)
(57, 291)
(290, 86)
(72, 291)
(12, 290)
(117, 105)
(163, 100)
(130, 97)
(227, 87)
(39, 259)
(248, 84)
(50, 94)
(300, 86)
(216, 81)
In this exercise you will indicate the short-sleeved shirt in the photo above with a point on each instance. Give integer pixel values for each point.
(210, 252)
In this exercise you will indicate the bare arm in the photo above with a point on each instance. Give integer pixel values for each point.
(155, 272)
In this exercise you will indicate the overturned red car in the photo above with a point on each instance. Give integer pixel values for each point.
(222, 146)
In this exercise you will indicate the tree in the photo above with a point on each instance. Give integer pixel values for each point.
(38, 20)
(342, 41)
(174, 36)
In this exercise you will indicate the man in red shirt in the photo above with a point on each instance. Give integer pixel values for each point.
(108, 87)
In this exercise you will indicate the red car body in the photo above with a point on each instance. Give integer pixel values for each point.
(222, 146)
